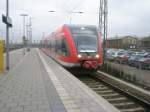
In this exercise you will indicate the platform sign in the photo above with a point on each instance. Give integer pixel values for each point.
(1, 56)
(7, 21)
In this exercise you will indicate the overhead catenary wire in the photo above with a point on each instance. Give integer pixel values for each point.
(70, 12)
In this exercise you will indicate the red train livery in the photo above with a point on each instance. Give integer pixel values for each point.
(75, 46)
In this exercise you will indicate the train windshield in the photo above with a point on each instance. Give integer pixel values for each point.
(86, 39)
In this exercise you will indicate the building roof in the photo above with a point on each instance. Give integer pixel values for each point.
(146, 38)
(118, 38)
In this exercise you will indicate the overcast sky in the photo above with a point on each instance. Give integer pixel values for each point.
(125, 17)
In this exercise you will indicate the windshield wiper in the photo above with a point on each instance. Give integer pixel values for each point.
(85, 51)
(81, 48)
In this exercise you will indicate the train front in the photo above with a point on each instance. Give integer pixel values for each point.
(88, 46)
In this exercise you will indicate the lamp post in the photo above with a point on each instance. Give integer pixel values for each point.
(23, 15)
(30, 30)
(24, 26)
(7, 36)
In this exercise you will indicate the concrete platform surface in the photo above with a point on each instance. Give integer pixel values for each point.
(22, 89)
(38, 84)
(15, 57)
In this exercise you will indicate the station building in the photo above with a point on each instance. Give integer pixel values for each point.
(126, 42)
(145, 43)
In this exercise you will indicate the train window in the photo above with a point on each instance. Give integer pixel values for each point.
(58, 47)
(52, 44)
(86, 39)
(49, 44)
(64, 47)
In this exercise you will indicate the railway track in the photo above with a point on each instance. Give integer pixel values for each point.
(124, 102)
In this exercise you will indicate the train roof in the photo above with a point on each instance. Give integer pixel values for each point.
(80, 26)
(73, 26)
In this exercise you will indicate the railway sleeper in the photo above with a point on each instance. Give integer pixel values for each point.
(136, 109)
(101, 86)
(105, 92)
(88, 80)
(101, 89)
(126, 105)
(108, 96)
(118, 100)
(91, 82)
(94, 85)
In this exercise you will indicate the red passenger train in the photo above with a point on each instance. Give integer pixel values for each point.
(75, 46)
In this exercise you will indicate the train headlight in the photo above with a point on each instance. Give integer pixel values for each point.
(97, 56)
(79, 56)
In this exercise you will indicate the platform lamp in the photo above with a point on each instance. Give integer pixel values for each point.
(24, 26)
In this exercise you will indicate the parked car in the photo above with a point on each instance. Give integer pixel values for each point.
(134, 60)
(110, 56)
(123, 58)
(109, 53)
(144, 63)
(114, 54)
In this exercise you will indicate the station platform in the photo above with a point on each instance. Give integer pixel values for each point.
(36, 83)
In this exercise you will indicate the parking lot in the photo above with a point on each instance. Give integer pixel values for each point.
(140, 59)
